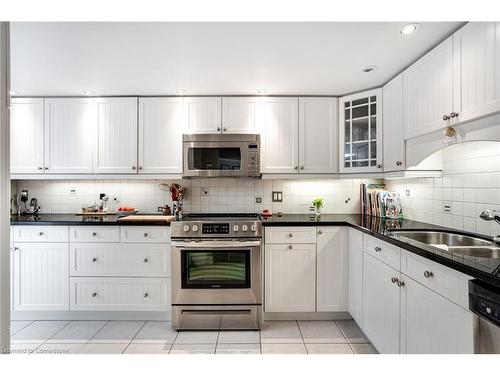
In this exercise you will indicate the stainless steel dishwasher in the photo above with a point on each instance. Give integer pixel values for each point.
(484, 301)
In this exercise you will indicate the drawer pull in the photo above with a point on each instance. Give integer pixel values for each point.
(290, 247)
(401, 284)
(94, 234)
(146, 295)
(320, 231)
(146, 260)
(94, 294)
(94, 260)
(378, 249)
(428, 274)
(40, 233)
(394, 280)
(290, 235)
(145, 234)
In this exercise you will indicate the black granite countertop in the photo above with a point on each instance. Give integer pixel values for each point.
(73, 219)
(485, 269)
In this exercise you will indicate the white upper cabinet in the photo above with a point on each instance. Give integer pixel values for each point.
(360, 132)
(239, 115)
(26, 136)
(428, 91)
(160, 135)
(203, 115)
(116, 147)
(394, 144)
(280, 131)
(70, 128)
(476, 60)
(332, 269)
(318, 129)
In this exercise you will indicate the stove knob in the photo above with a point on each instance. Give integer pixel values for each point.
(244, 227)
(195, 228)
(236, 228)
(186, 228)
(253, 228)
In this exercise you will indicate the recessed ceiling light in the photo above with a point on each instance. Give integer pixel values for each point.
(180, 92)
(409, 28)
(262, 91)
(14, 92)
(368, 69)
(88, 93)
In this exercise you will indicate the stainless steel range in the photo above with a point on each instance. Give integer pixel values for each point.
(216, 272)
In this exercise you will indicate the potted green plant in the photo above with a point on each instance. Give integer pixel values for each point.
(318, 205)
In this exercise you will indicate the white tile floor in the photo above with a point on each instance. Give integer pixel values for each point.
(153, 337)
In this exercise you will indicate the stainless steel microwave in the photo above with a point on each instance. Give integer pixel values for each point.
(221, 155)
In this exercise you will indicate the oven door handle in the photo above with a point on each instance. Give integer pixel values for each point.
(214, 244)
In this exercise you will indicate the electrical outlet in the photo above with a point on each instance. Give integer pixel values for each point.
(407, 192)
(258, 200)
(277, 196)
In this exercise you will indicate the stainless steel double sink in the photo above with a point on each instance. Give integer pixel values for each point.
(453, 243)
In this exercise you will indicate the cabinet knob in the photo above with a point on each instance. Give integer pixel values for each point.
(401, 284)
(140, 168)
(134, 167)
(94, 260)
(398, 163)
(378, 249)
(290, 247)
(394, 280)
(428, 274)
(40, 233)
(320, 231)
(94, 294)
(45, 168)
(16, 248)
(224, 129)
(379, 166)
(302, 168)
(146, 295)
(453, 114)
(446, 117)
(290, 234)
(40, 168)
(94, 234)
(146, 260)
(145, 234)
(218, 128)
(296, 167)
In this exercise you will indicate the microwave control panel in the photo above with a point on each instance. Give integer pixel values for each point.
(253, 159)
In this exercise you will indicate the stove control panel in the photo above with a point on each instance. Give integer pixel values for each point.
(215, 228)
(201, 229)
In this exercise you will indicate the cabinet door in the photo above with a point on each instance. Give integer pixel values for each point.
(318, 128)
(203, 115)
(428, 91)
(116, 148)
(332, 266)
(70, 126)
(26, 136)
(394, 144)
(290, 277)
(431, 324)
(239, 115)
(41, 277)
(160, 135)
(356, 275)
(280, 131)
(476, 60)
(381, 299)
(360, 132)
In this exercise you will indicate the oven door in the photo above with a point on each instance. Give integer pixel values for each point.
(214, 159)
(216, 272)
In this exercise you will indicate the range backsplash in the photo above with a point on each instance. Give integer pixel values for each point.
(470, 184)
(216, 195)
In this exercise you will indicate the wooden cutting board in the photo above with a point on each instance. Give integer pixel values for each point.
(163, 218)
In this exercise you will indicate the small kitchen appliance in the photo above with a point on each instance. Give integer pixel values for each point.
(216, 272)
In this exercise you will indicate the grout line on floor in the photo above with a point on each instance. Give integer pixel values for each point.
(301, 336)
(345, 337)
(217, 341)
(139, 330)
(69, 322)
(12, 334)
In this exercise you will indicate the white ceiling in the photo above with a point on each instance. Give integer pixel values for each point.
(212, 58)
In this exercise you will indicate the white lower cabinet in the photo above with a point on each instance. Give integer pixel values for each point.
(381, 300)
(290, 277)
(331, 269)
(355, 275)
(40, 275)
(432, 324)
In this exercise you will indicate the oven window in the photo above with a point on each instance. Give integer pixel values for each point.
(215, 269)
(225, 159)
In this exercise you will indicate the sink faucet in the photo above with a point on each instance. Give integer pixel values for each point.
(489, 216)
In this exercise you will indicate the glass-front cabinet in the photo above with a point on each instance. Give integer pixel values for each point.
(361, 132)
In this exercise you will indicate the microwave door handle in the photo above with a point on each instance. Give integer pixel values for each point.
(215, 244)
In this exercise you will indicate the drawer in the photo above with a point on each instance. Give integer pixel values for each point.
(119, 294)
(290, 235)
(145, 234)
(146, 260)
(94, 234)
(39, 233)
(383, 251)
(445, 281)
